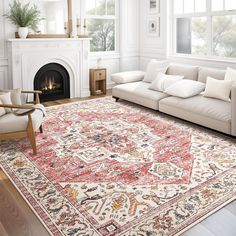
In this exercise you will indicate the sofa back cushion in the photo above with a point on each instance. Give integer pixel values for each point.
(189, 72)
(205, 72)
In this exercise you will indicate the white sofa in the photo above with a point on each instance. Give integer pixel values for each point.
(209, 112)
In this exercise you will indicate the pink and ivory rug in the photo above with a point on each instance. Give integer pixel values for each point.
(106, 168)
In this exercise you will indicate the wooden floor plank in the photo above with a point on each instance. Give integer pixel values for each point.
(198, 230)
(70, 100)
(232, 208)
(16, 217)
(3, 232)
(222, 223)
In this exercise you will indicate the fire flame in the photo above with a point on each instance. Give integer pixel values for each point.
(49, 84)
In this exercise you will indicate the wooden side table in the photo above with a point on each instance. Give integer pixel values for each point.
(98, 81)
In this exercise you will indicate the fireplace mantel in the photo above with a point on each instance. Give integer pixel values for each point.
(27, 56)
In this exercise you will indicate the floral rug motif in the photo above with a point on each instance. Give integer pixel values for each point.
(106, 168)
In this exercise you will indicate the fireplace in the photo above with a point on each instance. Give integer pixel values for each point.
(54, 82)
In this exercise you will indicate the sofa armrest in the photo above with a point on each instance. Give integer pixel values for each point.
(233, 110)
(127, 77)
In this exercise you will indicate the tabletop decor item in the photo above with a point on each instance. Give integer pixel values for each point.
(24, 16)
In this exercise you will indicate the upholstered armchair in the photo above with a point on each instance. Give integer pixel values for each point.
(18, 121)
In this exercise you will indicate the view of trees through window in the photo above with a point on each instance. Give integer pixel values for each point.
(194, 36)
(101, 24)
(224, 35)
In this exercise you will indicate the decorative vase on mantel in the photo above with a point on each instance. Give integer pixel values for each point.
(24, 16)
(23, 32)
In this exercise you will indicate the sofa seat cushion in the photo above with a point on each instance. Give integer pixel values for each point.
(11, 123)
(139, 93)
(210, 112)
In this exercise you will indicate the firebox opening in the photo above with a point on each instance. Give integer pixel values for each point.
(54, 82)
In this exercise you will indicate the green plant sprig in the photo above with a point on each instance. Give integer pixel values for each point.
(24, 15)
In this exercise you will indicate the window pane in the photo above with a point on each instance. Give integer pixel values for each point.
(179, 4)
(217, 5)
(101, 7)
(111, 7)
(224, 36)
(230, 4)
(188, 6)
(192, 35)
(102, 33)
(199, 36)
(183, 37)
(91, 7)
(200, 5)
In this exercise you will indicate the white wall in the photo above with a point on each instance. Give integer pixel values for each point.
(136, 46)
(160, 48)
(3, 51)
(152, 46)
(127, 55)
(129, 34)
(126, 58)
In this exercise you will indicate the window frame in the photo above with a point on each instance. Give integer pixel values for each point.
(209, 14)
(108, 17)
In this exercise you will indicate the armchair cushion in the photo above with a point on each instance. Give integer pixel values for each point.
(16, 97)
(11, 123)
(6, 99)
(2, 110)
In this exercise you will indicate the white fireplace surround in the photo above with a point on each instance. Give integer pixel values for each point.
(27, 56)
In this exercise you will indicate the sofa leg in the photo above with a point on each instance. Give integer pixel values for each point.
(117, 99)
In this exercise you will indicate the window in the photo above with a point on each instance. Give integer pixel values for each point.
(205, 27)
(101, 24)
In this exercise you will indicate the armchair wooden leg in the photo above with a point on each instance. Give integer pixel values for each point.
(41, 129)
(37, 99)
(31, 135)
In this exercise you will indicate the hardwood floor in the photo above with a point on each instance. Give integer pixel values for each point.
(69, 100)
(17, 219)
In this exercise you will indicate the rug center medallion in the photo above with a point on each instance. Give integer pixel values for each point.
(136, 153)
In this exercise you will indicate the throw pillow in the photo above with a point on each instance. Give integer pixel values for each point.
(219, 89)
(127, 77)
(16, 97)
(185, 88)
(2, 110)
(163, 81)
(154, 67)
(230, 75)
(6, 99)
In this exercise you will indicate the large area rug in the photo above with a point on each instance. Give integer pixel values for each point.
(106, 168)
